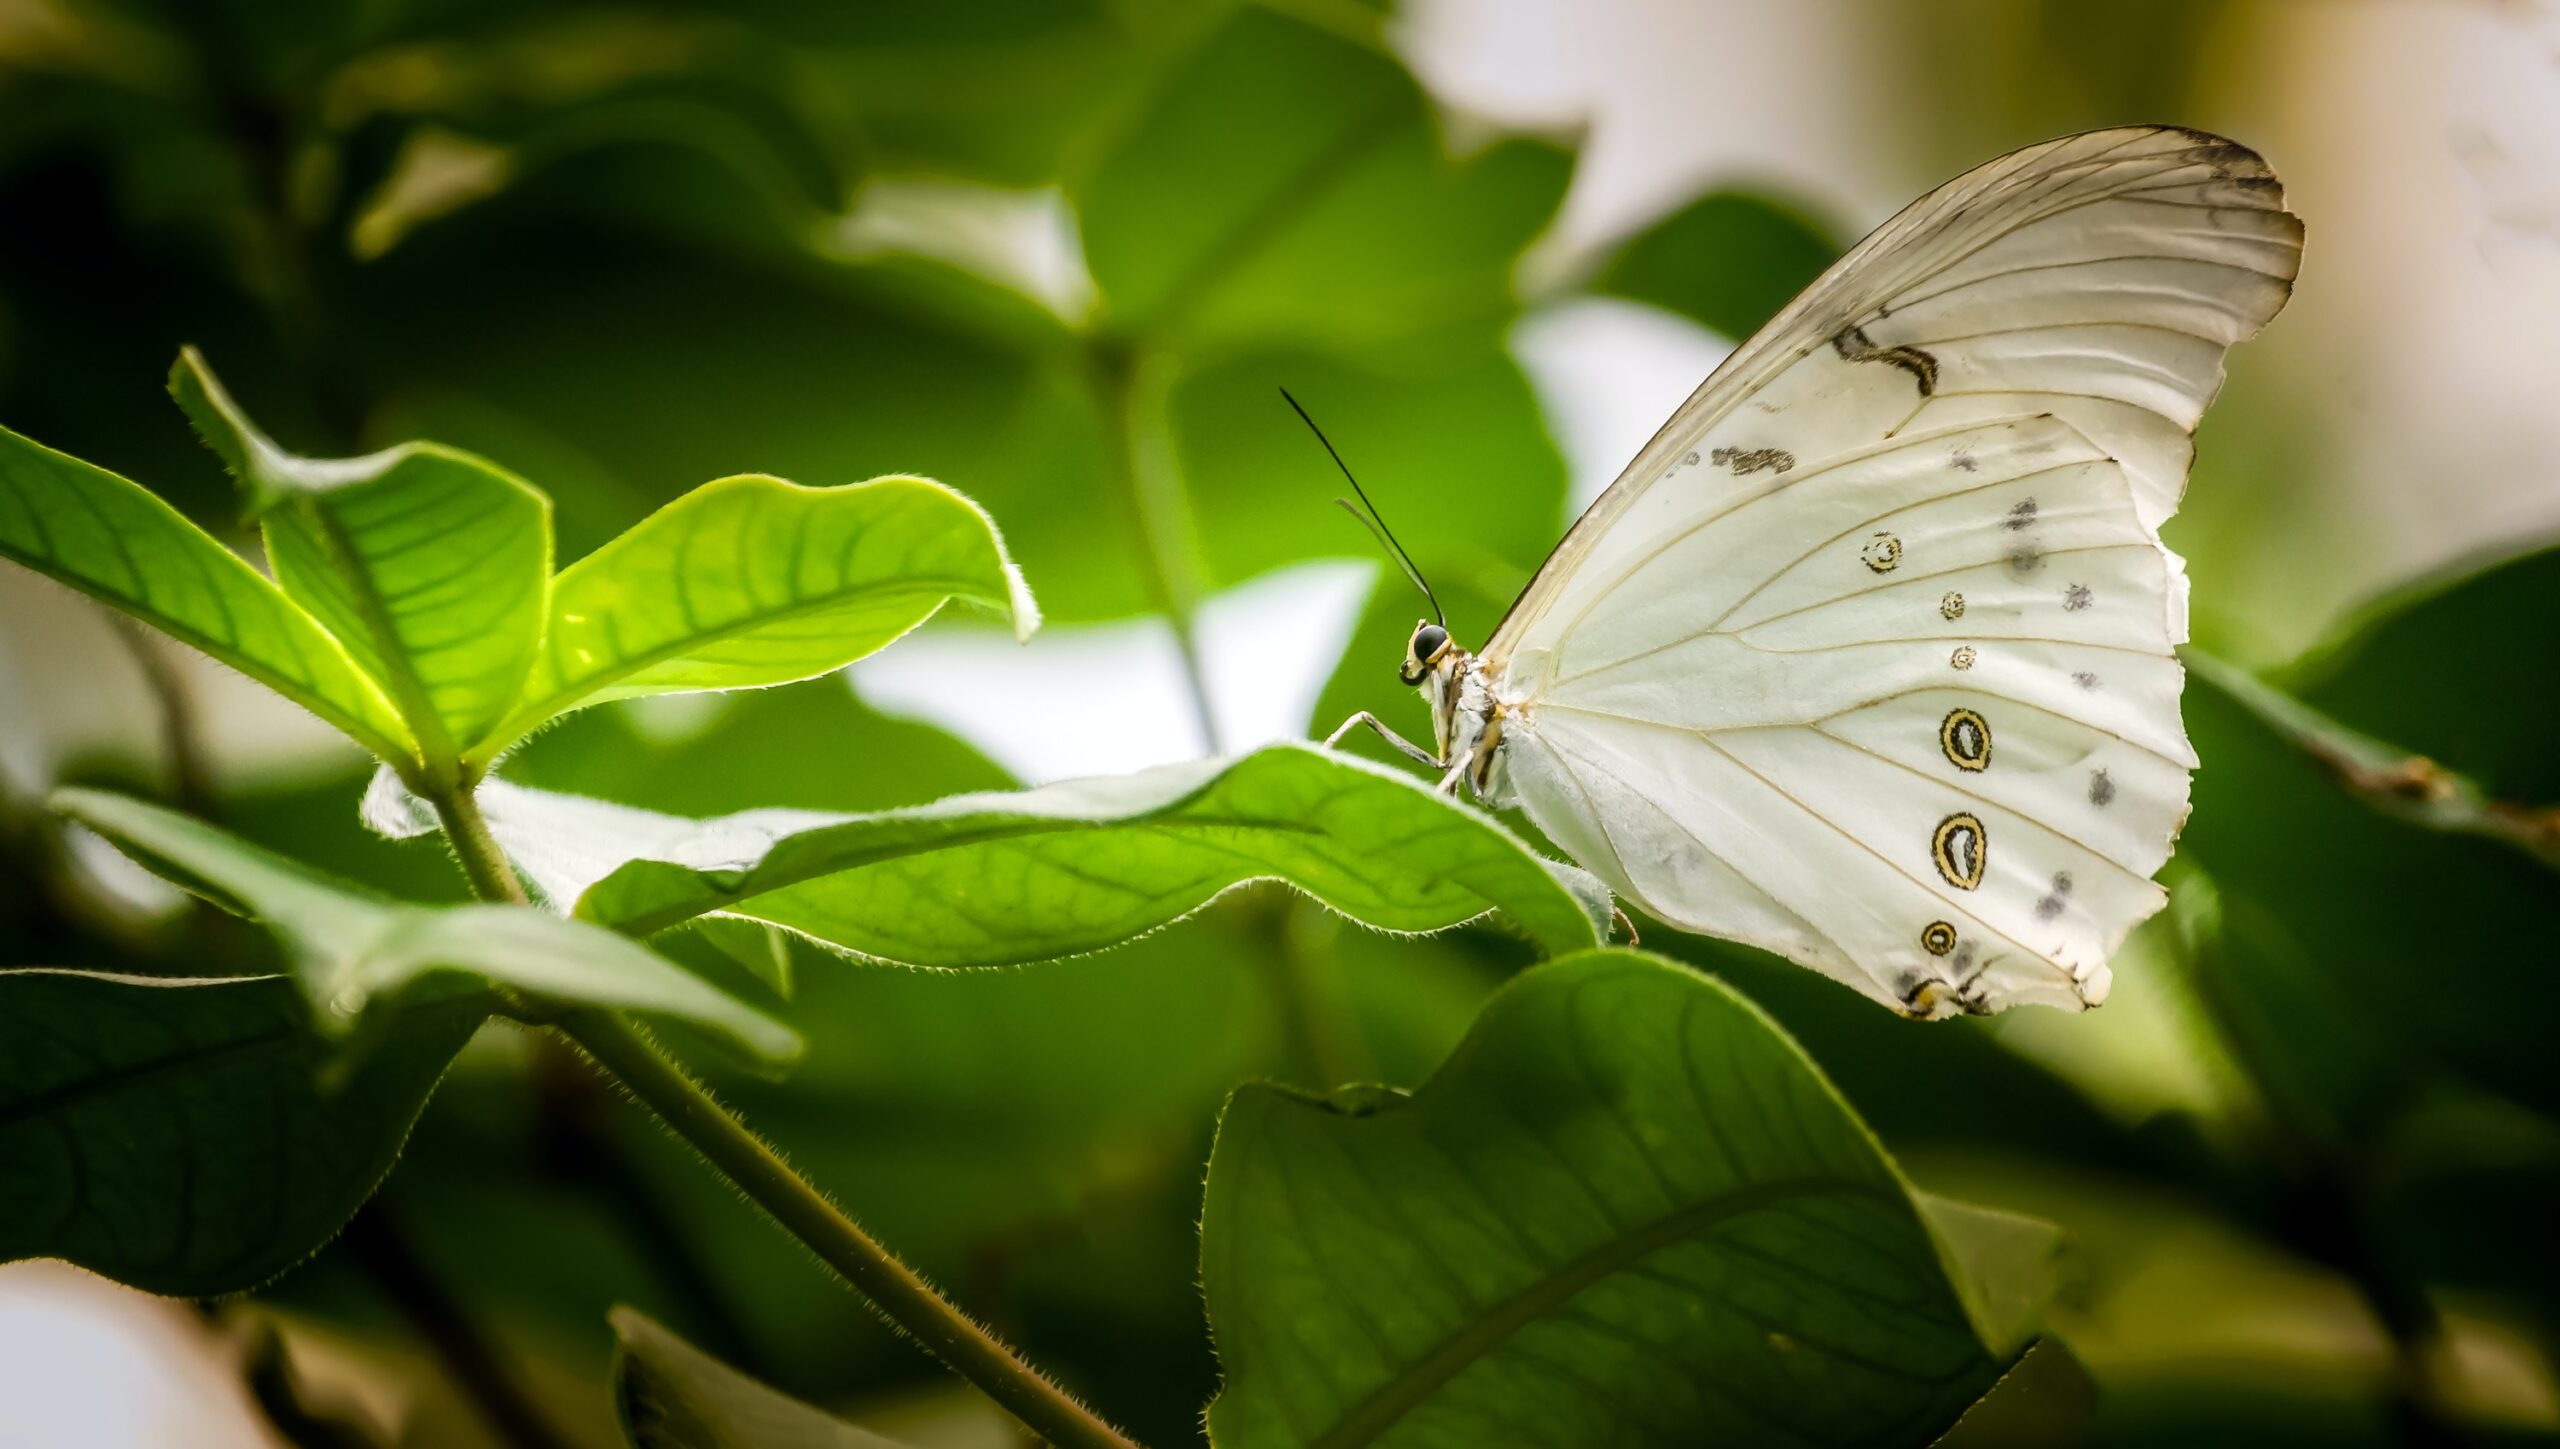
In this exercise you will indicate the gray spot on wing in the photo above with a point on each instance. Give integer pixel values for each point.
(2102, 791)
(2056, 898)
(1747, 461)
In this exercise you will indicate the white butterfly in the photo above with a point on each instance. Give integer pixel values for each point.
(1867, 658)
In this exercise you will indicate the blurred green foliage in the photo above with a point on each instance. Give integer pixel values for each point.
(623, 248)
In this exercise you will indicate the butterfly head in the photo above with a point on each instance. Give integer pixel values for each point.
(1426, 651)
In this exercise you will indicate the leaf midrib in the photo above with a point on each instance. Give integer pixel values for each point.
(1408, 1390)
(436, 747)
(571, 693)
(285, 1039)
(1015, 829)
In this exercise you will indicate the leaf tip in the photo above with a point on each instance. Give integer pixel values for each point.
(1025, 609)
(218, 420)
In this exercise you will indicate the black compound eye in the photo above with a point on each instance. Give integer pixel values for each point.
(1428, 641)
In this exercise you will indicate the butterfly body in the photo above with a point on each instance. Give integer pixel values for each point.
(1868, 658)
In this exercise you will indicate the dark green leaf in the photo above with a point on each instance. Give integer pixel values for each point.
(2384, 776)
(431, 565)
(2405, 930)
(1289, 182)
(1729, 259)
(2044, 1402)
(195, 1137)
(671, 1395)
(1628, 1210)
(352, 951)
(752, 581)
(115, 542)
(2439, 668)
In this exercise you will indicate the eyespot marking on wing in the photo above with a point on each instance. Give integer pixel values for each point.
(2056, 898)
(2021, 513)
(1960, 848)
(2076, 598)
(1938, 938)
(2084, 679)
(1966, 738)
(2102, 791)
(1854, 345)
(2025, 558)
(1882, 553)
(1962, 459)
(1962, 658)
(1952, 606)
(1747, 461)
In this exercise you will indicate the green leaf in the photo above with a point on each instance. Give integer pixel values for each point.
(751, 581)
(2434, 667)
(2047, 1399)
(429, 564)
(1729, 259)
(1289, 182)
(2386, 777)
(2406, 932)
(352, 951)
(1005, 877)
(1449, 441)
(114, 541)
(195, 1137)
(670, 1395)
(1628, 1211)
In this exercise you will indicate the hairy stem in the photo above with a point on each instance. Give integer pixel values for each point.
(483, 863)
(733, 1150)
(901, 1295)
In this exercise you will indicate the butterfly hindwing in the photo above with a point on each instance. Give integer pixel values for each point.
(1869, 657)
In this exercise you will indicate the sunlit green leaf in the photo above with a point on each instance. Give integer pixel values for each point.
(1627, 1211)
(1288, 181)
(750, 581)
(352, 951)
(195, 1137)
(671, 1395)
(1729, 259)
(997, 878)
(117, 543)
(431, 565)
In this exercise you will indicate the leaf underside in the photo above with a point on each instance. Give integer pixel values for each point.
(1628, 1211)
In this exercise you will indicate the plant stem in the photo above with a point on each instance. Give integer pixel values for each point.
(902, 1296)
(467, 831)
(754, 1168)
(1142, 457)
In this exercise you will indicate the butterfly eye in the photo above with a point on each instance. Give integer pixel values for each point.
(1429, 642)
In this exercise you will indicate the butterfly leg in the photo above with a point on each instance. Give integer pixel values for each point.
(1411, 750)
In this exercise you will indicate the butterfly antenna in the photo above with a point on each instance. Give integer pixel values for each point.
(1373, 521)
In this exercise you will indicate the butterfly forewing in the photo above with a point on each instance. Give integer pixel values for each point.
(1868, 658)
